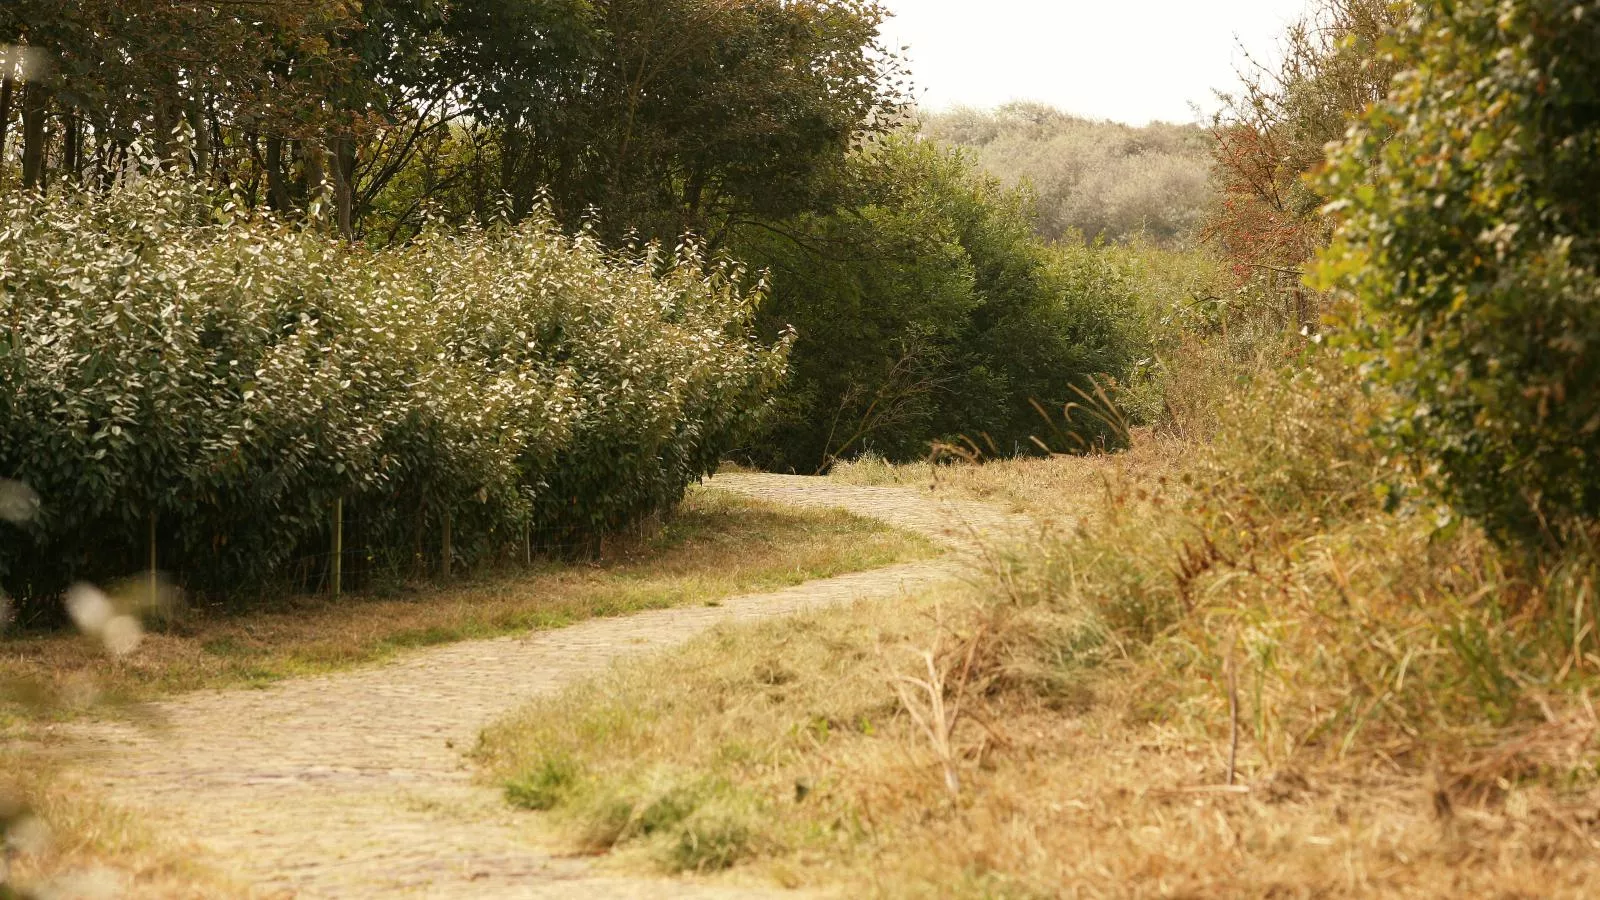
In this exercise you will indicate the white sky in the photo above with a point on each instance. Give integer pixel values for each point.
(1129, 60)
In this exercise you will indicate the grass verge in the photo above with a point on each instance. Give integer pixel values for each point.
(63, 843)
(718, 545)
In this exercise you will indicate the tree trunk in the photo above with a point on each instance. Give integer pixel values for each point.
(277, 186)
(510, 162)
(316, 174)
(161, 143)
(344, 176)
(218, 145)
(102, 162)
(72, 151)
(120, 167)
(35, 109)
(252, 187)
(5, 124)
(202, 138)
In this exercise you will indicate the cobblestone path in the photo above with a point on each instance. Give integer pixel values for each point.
(354, 784)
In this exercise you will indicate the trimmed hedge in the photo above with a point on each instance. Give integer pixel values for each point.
(167, 364)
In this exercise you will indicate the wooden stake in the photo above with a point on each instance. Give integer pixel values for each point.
(1233, 721)
(338, 547)
(447, 550)
(154, 592)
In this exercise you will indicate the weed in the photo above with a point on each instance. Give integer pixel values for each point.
(710, 842)
(545, 786)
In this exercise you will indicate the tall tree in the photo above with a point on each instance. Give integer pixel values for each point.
(667, 116)
(118, 72)
(675, 115)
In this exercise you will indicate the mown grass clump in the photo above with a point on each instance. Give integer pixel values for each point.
(709, 757)
(544, 787)
(690, 823)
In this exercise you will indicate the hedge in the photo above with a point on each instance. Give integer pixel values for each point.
(172, 372)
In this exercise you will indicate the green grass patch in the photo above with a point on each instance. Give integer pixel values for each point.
(721, 753)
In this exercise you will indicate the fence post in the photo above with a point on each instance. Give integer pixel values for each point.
(155, 595)
(447, 550)
(527, 544)
(338, 547)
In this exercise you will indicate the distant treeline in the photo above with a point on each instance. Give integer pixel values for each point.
(1091, 179)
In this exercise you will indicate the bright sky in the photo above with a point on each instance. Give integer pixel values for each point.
(1128, 60)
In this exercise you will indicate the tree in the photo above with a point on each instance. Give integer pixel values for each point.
(672, 116)
(1471, 239)
(1090, 180)
(928, 310)
(1274, 133)
(667, 116)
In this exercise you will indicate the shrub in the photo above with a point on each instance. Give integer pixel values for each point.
(928, 311)
(1471, 239)
(174, 375)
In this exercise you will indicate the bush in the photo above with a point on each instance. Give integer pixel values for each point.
(928, 311)
(1471, 237)
(178, 375)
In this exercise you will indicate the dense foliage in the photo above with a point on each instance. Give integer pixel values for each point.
(213, 383)
(667, 115)
(928, 311)
(1472, 237)
(1090, 179)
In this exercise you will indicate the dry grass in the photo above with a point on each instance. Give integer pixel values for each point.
(1411, 706)
(70, 846)
(1051, 490)
(717, 546)
(784, 750)
(724, 744)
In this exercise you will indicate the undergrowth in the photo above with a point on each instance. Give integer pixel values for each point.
(1262, 664)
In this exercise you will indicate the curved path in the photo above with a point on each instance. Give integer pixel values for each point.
(353, 785)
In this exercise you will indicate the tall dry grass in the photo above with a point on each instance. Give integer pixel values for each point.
(1258, 664)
